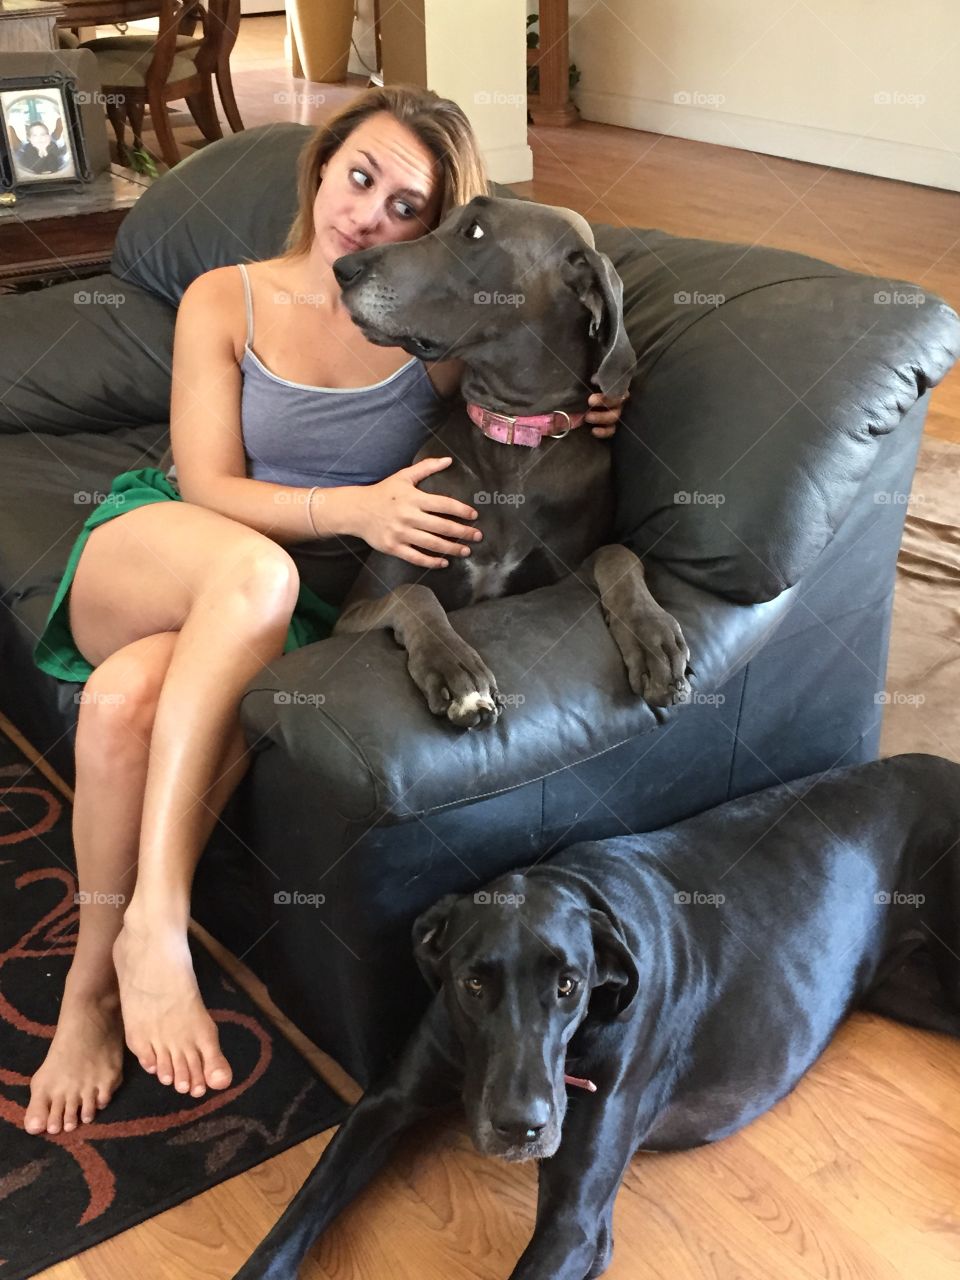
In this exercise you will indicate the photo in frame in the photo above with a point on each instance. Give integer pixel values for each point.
(41, 135)
(37, 134)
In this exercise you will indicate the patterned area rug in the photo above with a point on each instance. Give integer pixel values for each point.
(922, 711)
(150, 1148)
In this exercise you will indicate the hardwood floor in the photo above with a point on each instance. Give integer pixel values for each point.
(855, 1176)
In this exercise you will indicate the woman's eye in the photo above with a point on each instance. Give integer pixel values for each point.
(405, 210)
(474, 986)
(474, 231)
(362, 174)
(567, 986)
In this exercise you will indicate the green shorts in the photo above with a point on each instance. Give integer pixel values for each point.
(55, 651)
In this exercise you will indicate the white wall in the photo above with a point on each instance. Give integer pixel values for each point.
(867, 85)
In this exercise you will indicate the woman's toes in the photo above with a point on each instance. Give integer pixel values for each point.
(70, 1108)
(216, 1071)
(164, 1067)
(35, 1116)
(88, 1107)
(198, 1086)
(55, 1116)
(181, 1074)
(145, 1055)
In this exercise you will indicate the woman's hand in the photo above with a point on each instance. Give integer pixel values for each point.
(607, 416)
(397, 517)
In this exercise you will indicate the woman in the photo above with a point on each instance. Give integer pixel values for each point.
(169, 612)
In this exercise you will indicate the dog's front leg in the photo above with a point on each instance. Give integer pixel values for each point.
(650, 640)
(573, 1236)
(425, 1079)
(455, 680)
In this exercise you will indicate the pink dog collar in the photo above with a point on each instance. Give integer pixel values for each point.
(528, 431)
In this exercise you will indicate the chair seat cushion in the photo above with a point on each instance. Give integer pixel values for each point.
(125, 60)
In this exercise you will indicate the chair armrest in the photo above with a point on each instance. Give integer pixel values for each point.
(84, 355)
(765, 382)
(347, 711)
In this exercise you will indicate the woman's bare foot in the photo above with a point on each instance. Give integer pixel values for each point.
(83, 1066)
(165, 1022)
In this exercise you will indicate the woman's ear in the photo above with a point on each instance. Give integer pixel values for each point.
(616, 969)
(429, 945)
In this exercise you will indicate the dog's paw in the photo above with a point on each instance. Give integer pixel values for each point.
(604, 1255)
(461, 688)
(474, 710)
(656, 657)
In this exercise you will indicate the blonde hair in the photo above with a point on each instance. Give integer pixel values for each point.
(438, 123)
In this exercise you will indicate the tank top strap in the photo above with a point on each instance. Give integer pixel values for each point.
(249, 300)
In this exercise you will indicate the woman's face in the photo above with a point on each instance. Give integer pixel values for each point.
(381, 185)
(39, 135)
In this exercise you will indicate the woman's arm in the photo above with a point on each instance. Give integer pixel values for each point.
(392, 515)
(205, 427)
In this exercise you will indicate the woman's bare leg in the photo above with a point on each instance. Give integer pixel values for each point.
(233, 630)
(229, 591)
(82, 1068)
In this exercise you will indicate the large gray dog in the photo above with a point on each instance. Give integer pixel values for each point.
(679, 982)
(519, 293)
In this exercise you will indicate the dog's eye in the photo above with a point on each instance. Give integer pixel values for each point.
(474, 986)
(567, 986)
(474, 231)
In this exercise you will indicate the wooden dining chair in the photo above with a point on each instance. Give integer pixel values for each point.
(141, 70)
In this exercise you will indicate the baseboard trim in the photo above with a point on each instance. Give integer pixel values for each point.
(879, 157)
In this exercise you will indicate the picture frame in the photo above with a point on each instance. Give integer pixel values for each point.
(41, 134)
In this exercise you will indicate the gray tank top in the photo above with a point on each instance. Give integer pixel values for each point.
(302, 435)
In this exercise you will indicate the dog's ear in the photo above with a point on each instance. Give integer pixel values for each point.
(429, 932)
(592, 277)
(617, 975)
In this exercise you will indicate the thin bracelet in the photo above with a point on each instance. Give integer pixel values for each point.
(313, 525)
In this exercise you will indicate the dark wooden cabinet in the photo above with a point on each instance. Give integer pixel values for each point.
(65, 234)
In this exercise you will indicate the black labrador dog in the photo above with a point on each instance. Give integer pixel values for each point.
(519, 293)
(679, 983)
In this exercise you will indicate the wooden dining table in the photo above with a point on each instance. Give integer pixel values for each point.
(105, 13)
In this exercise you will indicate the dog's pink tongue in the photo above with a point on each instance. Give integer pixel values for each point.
(580, 1083)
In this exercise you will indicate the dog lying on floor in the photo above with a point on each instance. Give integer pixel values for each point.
(679, 983)
(529, 364)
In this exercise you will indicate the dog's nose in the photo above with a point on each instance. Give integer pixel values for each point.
(523, 1125)
(348, 268)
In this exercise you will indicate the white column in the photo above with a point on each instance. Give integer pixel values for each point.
(476, 54)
